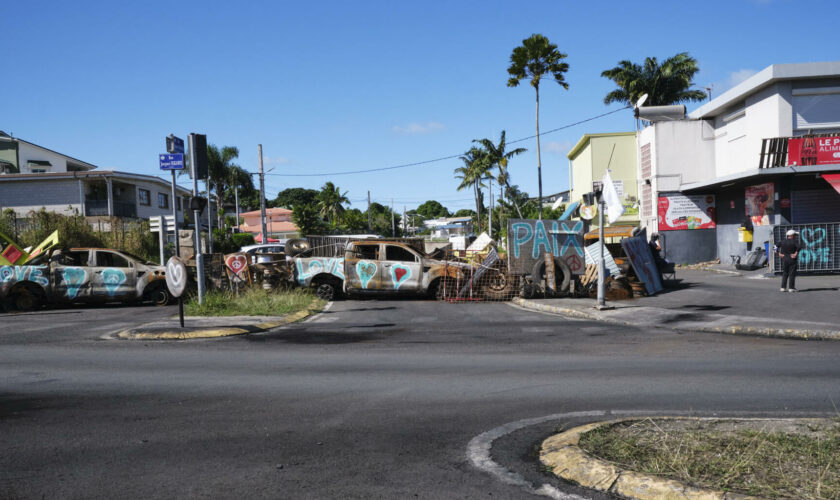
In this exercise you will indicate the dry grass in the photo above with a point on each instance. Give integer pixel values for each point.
(771, 459)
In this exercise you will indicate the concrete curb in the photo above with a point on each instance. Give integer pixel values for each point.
(569, 462)
(147, 333)
(764, 331)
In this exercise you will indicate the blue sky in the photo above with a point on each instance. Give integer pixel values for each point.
(342, 86)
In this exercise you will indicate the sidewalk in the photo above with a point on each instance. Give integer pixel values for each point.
(721, 299)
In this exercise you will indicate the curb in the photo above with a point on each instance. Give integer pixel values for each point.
(215, 332)
(569, 462)
(786, 333)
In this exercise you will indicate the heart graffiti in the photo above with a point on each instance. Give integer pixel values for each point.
(366, 270)
(399, 275)
(236, 263)
(74, 277)
(113, 278)
(812, 237)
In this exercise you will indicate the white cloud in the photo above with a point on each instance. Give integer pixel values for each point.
(733, 79)
(415, 128)
(275, 160)
(561, 147)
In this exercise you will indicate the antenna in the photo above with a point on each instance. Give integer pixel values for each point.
(641, 101)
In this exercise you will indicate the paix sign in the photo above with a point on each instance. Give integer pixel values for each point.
(814, 150)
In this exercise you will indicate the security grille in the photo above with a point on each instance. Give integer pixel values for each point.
(820, 246)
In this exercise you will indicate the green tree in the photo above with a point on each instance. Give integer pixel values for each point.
(475, 170)
(354, 221)
(666, 83)
(291, 197)
(498, 158)
(306, 218)
(432, 209)
(331, 203)
(381, 220)
(219, 170)
(537, 58)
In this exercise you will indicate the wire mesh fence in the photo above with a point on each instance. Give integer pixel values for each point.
(476, 276)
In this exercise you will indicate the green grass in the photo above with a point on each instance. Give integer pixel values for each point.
(771, 460)
(253, 302)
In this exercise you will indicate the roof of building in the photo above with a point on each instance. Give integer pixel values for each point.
(80, 163)
(271, 227)
(90, 175)
(765, 77)
(585, 138)
(268, 212)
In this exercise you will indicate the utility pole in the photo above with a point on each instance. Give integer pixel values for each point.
(403, 221)
(393, 227)
(262, 197)
(602, 266)
(210, 217)
(490, 210)
(236, 198)
(199, 257)
(370, 224)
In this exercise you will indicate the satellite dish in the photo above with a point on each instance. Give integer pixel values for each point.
(296, 246)
(641, 101)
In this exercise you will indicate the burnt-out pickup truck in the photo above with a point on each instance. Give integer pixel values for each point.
(378, 267)
(82, 275)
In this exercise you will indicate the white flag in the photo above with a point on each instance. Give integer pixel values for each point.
(614, 206)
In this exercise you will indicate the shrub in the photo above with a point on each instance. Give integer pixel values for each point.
(243, 239)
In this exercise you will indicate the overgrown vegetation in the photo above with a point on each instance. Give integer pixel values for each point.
(771, 459)
(253, 302)
(74, 231)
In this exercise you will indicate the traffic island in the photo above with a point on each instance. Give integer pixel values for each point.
(700, 458)
(203, 327)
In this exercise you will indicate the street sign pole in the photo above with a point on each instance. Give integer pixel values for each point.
(199, 257)
(602, 266)
(175, 217)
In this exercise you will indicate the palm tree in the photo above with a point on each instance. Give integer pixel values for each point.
(473, 173)
(331, 203)
(666, 83)
(219, 165)
(498, 157)
(238, 179)
(535, 58)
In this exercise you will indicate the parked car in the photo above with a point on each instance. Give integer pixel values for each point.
(262, 253)
(83, 275)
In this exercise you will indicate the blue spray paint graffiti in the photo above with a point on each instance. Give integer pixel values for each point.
(530, 240)
(9, 274)
(399, 275)
(113, 278)
(813, 251)
(366, 271)
(307, 268)
(74, 277)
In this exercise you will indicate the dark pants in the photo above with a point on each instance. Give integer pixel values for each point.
(788, 272)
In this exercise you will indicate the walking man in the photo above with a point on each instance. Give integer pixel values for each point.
(788, 250)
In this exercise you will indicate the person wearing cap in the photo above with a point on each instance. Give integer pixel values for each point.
(788, 250)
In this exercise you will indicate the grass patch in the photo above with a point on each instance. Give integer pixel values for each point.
(252, 302)
(771, 459)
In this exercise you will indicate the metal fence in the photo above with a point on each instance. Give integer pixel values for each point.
(476, 276)
(820, 246)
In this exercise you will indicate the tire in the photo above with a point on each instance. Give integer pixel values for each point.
(499, 284)
(562, 274)
(326, 290)
(158, 295)
(26, 297)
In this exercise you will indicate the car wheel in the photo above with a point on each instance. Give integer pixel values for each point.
(159, 295)
(499, 284)
(26, 298)
(325, 290)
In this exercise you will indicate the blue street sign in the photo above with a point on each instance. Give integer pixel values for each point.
(172, 162)
(174, 144)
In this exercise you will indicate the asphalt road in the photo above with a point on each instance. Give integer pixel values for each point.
(372, 399)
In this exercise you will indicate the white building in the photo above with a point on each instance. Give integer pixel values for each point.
(34, 177)
(445, 227)
(736, 159)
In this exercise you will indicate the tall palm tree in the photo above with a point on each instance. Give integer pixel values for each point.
(472, 174)
(534, 59)
(219, 165)
(666, 83)
(331, 203)
(239, 182)
(498, 157)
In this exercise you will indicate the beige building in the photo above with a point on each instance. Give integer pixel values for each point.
(589, 159)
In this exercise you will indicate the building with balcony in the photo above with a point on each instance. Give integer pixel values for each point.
(761, 155)
(34, 177)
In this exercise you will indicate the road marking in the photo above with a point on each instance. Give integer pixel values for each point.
(319, 317)
(478, 451)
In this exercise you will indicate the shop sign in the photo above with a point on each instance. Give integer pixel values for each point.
(814, 150)
(678, 211)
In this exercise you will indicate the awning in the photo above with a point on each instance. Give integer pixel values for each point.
(611, 232)
(834, 180)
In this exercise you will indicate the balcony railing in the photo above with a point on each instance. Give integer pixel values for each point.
(100, 208)
(774, 151)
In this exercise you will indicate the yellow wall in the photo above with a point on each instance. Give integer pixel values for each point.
(590, 163)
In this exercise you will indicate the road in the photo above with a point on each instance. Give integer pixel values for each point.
(371, 399)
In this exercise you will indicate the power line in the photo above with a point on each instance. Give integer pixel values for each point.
(426, 162)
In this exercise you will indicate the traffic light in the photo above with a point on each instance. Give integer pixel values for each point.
(198, 165)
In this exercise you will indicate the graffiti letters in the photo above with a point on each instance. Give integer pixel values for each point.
(813, 249)
(307, 268)
(530, 240)
(9, 274)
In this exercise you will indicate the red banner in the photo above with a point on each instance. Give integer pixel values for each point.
(679, 211)
(814, 150)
